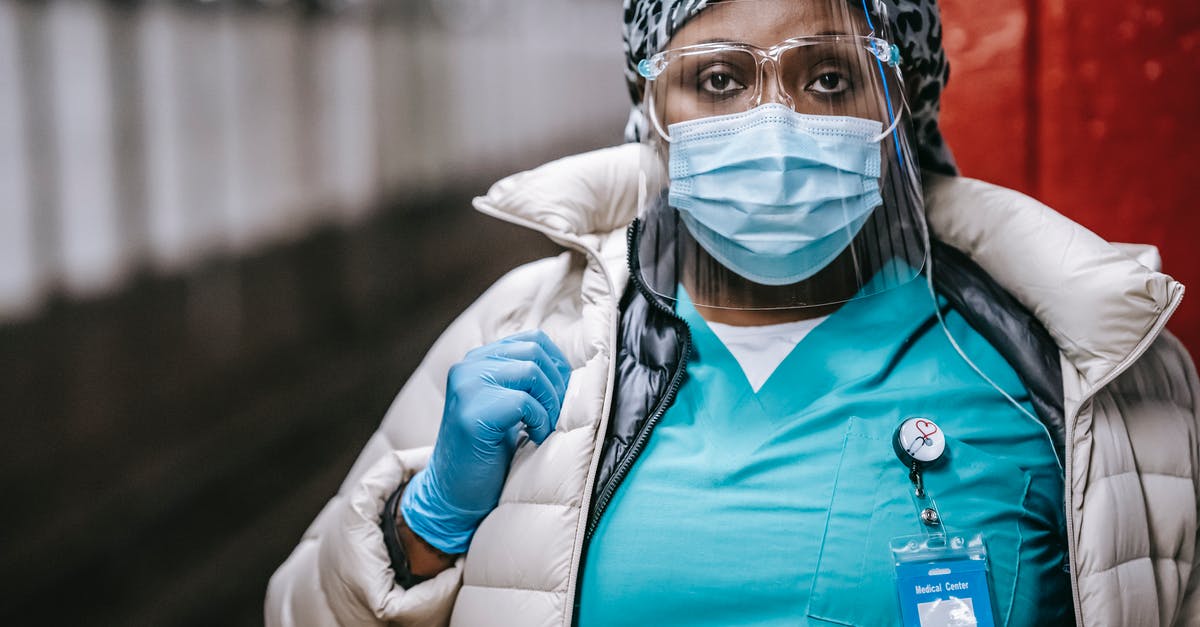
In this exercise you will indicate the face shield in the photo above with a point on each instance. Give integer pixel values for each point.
(779, 172)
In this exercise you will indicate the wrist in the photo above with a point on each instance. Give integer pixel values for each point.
(424, 560)
(413, 560)
(432, 518)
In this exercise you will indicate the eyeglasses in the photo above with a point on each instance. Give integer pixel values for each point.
(819, 74)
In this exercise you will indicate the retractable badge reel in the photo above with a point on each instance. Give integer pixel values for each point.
(941, 576)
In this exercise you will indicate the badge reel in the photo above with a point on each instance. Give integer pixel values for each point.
(941, 576)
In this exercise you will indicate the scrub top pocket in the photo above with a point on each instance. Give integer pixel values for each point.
(872, 503)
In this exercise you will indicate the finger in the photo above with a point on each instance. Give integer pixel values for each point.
(534, 335)
(524, 350)
(553, 351)
(538, 423)
(536, 353)
(526, 377)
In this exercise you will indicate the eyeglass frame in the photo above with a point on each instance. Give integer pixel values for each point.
(653, 66)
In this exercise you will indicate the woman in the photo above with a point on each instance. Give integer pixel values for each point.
(775, 398)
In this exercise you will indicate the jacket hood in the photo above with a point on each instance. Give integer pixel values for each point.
(1099, 303)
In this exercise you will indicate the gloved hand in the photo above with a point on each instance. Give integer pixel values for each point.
(491, 394)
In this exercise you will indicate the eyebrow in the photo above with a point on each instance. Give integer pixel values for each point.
(713, 40)
(725, 40)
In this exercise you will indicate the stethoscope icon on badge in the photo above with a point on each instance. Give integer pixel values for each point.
(919, 441)
(920, 444)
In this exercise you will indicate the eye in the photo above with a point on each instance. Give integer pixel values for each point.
(829, 83)
(720, 83)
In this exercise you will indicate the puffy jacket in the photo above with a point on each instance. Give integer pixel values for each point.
(1128, 403)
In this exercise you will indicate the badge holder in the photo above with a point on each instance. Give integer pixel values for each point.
(941, 577)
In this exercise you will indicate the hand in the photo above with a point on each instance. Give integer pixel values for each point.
(495, 391)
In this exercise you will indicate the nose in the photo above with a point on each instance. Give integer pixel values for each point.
(770, 83)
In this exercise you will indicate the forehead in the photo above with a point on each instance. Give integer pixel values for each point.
(765, 23)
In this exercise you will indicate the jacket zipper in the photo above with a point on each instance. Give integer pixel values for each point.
(664, 403)
(1152, 334)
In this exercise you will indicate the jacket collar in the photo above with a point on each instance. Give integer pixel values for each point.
(1099, 304)
(590, 194)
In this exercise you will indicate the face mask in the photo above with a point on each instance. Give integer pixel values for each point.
(772, 194)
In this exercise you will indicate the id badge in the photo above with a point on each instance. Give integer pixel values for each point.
(943, 581)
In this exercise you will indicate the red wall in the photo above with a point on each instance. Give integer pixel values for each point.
(1092, 107)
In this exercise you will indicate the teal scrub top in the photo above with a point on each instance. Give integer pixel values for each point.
(777, 507)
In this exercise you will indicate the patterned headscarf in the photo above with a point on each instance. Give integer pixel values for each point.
(916, 24)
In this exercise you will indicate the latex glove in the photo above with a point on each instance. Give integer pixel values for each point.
(495, 391)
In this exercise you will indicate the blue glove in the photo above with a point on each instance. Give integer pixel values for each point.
(495, 391)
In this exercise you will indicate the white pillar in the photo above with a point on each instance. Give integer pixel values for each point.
(346, 96)
(21, 280)
(89, 220)
(261, 54)
(186, 95)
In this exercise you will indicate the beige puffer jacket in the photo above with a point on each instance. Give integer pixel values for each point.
(1131, 398)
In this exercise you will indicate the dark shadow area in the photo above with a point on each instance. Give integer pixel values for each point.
(165, 448)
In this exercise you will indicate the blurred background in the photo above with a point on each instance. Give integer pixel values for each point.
(230, 229)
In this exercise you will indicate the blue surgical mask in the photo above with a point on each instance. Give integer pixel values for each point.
(772, 194)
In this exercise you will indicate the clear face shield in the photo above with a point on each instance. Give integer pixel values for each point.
(780, 173)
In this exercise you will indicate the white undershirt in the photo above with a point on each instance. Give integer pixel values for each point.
(759, 350)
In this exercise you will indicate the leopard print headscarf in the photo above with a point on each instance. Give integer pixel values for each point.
(916, 24)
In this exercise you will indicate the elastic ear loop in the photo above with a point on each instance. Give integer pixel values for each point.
(654, 115)
(888, 131)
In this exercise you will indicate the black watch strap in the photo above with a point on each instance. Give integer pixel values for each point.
(395, 547)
